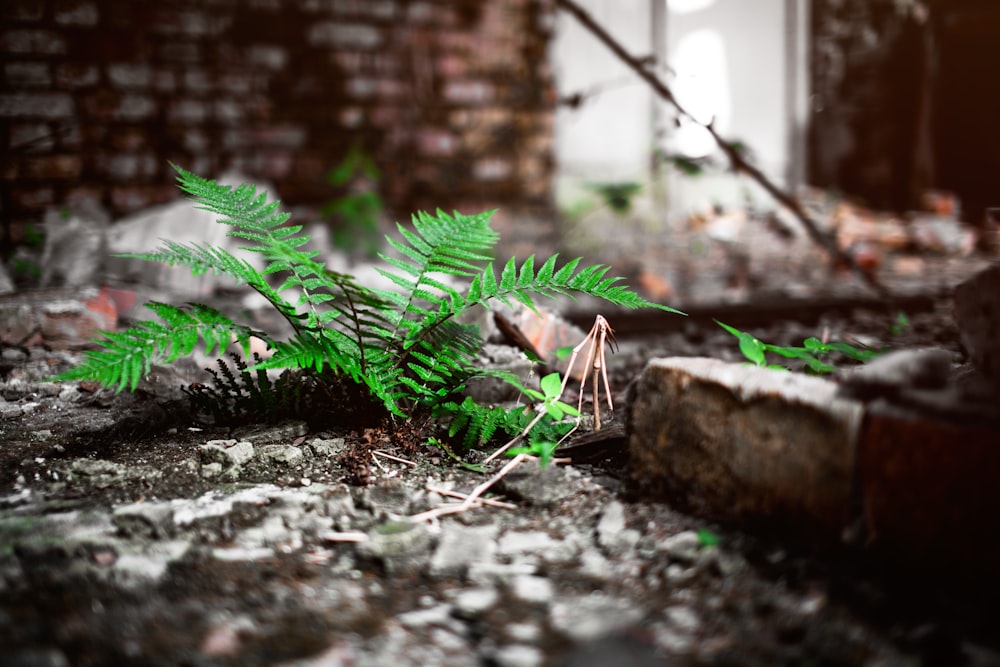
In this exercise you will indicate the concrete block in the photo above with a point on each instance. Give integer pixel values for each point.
(744, 444)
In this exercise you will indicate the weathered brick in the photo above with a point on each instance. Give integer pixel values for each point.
(128, 75)
(273, 165)
(266, 5)
(452, 65)
(56, 167)
(128, 166)
(188, 112)
(21, 10)
(31, 138)
(421, 12)
(344, 35)
(38, 42)
(437, 142)
(361, 87)
(76, 12)
(309, 166)
(51, 106)
(468, 92)
(27, 75)
(190, 23)
(382, 9)
(492, 169)
(228, 111)
(268, 56)
(239, 84)
(184, 53)
(164, 81)
(195, 141)
(351, 117)
(127, 198)
(76, 75)
(197, 81)
(129, 138)
(135, 107)
(32, 198)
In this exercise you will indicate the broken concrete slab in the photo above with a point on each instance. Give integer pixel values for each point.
(742, 443)
(182, 222)
(59, 319)
(76, 244)
(914, 480)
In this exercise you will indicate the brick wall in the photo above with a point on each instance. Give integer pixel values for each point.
(452, 98)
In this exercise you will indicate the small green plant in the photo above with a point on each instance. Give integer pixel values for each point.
(543, 442)
(355, 213)
(900, 324)
(404, 347)
(812, 352)
(617, 196)
(707, 538)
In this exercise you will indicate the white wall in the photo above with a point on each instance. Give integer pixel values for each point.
(610, 138)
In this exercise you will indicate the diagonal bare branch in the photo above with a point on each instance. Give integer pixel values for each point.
(736, 159)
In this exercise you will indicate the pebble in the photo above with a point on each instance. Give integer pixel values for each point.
(460, 546)
(472, 602)
(531, 588)
(518, 655)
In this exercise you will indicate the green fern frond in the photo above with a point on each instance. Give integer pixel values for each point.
(478, 424)
(520, 285)
(125, 357)
(404, 345)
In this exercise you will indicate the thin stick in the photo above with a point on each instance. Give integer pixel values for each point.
(393, 458)
(736, 159)
(351, 536)
(473, 498)
(463, 496)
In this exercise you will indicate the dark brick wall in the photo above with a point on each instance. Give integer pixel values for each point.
(453, 99)
(868, 76)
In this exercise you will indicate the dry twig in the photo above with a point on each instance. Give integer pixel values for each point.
(732, 152)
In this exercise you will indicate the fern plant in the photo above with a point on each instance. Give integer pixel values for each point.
(405, 346)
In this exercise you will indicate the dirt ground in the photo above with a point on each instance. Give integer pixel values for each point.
(127, 536)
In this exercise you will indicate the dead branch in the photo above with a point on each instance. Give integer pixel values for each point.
(736, 160)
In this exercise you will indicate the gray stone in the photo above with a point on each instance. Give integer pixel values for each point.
(398, 546)
(287, 455)
(521, 541)
(925, 368)
(76, 245)
(266, 434)
(325, 447)
(531, 588)
(437, 615)
(227, 453)
(611, 531)
(543, 487)
(181, 222)
(212, 470)
(737, 443)
(460, 546)
(589, 616)
(682, 547)
(482, 574)
(518, 655)
(148, 565)
(144, 520)
(471, 603)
